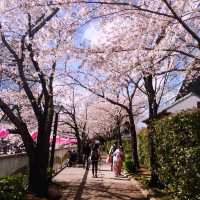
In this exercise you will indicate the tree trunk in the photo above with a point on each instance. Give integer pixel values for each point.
(38, 180)
(80, 150)
(133, 141)
(51, 162)
(153, 110)
(79, 146)
(39, 162)
(154, 181)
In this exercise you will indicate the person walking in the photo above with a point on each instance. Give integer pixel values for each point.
(111, 151)
(86, 152)
(95, 158)
(118, 158)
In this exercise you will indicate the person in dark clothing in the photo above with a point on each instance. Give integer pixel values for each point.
(86, 152)
(95, 159)
(72, 158)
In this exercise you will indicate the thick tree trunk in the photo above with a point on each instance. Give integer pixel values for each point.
(39, 162)
(38, 180)
(133, 141)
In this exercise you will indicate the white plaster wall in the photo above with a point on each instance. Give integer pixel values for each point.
(188, 103)
(60, 159)
(11, 163)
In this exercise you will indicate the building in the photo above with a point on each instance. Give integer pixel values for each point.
(187, 98)
(189, 101)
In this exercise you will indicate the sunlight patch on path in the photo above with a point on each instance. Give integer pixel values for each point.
(78, 184)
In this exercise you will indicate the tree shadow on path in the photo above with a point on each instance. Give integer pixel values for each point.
(104, 170)
(97, 190)
(81, 186)
(105, 187)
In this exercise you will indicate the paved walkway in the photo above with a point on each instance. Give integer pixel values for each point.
(78, 184)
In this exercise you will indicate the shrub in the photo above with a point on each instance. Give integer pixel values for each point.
(143, 148)
(127, 156)
(178, 151)
(129, 166)
(12, 188)
(106, 147)
(127, 146)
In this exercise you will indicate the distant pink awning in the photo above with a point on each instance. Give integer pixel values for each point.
(71, 141)
(59, 139)
(4, 133)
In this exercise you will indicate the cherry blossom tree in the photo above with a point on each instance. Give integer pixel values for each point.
(114, 88)
(39, 154)
(159, 37)
(148, 52)
(38, 38)
(72, 117)
(103, 117)
(142, 43)
(176, 23)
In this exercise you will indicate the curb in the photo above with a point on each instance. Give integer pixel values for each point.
(147, 193)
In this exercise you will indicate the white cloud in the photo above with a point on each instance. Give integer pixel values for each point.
(99, 34)
(94, 35)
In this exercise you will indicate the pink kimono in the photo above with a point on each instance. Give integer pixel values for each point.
(118, 157)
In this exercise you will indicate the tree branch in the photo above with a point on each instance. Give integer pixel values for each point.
(43, 23)
(98, 94)
(22, 77)
(15, 120)
(184, 25)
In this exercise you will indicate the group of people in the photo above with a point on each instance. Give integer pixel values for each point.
(116, 158)
(91, 152)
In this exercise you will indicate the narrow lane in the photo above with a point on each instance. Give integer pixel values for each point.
(78, 184)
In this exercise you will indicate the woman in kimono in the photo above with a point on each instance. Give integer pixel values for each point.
(118, 158)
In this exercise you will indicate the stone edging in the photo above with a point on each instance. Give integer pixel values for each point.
(147, 193)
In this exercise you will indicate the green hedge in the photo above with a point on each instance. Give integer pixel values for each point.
(143, 148)
(129, 166)
(12, 188)
(127, 146)
(106, 147)
(128, 163)
(178, 151)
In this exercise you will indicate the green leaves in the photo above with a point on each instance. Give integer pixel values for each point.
(178, 151)
(143, 148)
(12, 188)
(129, 166)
